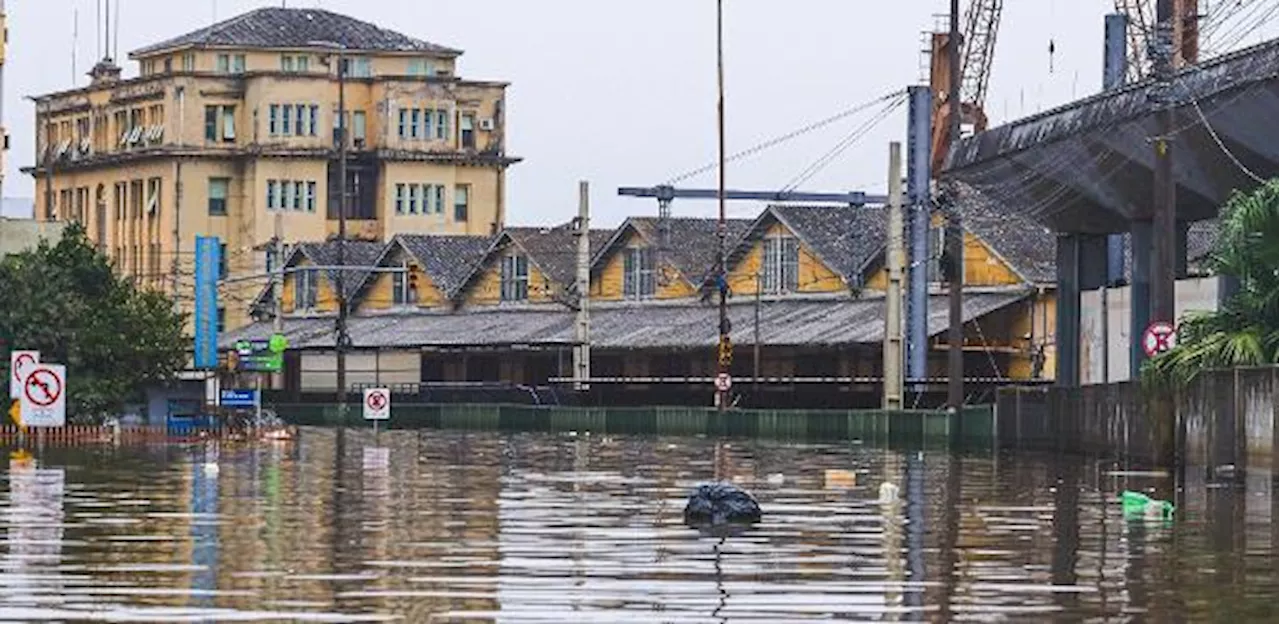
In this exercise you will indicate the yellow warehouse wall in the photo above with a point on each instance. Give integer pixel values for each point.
(487, 288)
(981, 268)
(1039, 322)
(325, 299)
(606, 285)
(814, 276)
(380, 296)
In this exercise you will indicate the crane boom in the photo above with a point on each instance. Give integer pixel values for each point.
(981, 24)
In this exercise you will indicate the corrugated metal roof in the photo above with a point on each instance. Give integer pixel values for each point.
(278, 27)
(786, 321)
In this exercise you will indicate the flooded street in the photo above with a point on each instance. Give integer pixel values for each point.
(489, 526)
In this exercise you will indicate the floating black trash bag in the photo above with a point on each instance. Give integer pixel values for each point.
(713, 504)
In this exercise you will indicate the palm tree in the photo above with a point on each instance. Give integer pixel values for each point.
(1244, 331)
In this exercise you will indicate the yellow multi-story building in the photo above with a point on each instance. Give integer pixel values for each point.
(227, 129)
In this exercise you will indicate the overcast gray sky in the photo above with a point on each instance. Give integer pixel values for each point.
(622, 92)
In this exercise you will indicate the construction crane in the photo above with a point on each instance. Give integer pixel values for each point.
(978, 45)
(1141, 31)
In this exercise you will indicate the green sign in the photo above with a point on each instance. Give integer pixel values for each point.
(262, 355)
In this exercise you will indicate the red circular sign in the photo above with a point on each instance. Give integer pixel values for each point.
(43, 387)
(21, 362)
(1159, 337)
(377, 400)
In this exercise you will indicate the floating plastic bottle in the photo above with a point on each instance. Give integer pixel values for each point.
(1139, 505)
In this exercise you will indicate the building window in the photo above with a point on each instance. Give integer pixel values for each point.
(311, 196)
(404, 123)
(413, 198)
(438, 199)
(299, 127)
(237, 64)
(314, 121)
(461, 196)
(286, 62)
(224, 263)
(421, 67)
(415, 123)
(400, 198)
(637, 273)
(189, 61)
(466, 133)
(299, 194)
(220, 123)
(442, 124)
(304, 289)
(224, 63)
(222, 320)
(273, 119)
(357, 125)
(218, 191)
(289, 197)
(153, 197)
(937, 247)
(286, 120)
(358, 67)
(403, 290)
(781, 264)
(515, 278)
(273, 196)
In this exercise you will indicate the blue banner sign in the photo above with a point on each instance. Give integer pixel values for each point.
(238, 398)
(206, 317)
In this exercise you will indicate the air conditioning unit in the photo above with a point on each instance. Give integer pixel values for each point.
(486, 124)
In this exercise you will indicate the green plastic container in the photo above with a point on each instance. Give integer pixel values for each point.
(1139, 505)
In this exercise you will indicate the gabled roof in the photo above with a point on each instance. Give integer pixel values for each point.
(692, 242)
(446, 259)
(1028, 247)
(554, 249)
(359, 255)
(277, 27)
(844, 238)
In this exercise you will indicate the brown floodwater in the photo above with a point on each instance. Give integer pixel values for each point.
(445, 526)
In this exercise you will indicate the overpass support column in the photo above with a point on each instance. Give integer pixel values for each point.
(1139, 291)
(1082, 265)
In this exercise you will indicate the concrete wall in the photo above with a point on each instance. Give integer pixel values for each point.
(18, 235)
(1228, 417)
(1104, 346)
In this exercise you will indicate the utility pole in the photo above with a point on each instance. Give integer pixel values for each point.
(893, 352)
(725, 351)
(1164, 200)
(582, 325)
(955, 236)
(277, 287)
(755, 341)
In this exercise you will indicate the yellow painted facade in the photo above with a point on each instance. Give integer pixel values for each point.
(813, 276)
(136, 160)
(326, 301)
(486, 287)
(1033, 331)
(380, 293)
(607, 283)
(982, 265)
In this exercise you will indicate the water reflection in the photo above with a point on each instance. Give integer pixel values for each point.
(517, 527)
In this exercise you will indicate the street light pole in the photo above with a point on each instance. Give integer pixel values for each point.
(725, 351)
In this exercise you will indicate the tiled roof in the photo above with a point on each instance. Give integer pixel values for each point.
(554, 249)
(692, 242)
(845, 238)
(276, 27)
(358, 255)
(783, 322)
(1201, 238)
(447, 260)
(1028, 247)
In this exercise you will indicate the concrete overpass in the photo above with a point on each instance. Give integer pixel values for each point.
(1086, 169)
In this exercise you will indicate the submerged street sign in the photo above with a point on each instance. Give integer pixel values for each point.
(238, 398)
(44, 396)
(377, 404)
(20, 363)
(262, 355)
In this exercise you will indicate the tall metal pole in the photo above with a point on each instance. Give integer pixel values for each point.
(919, 145)
(343, 340)
(893, 351)
(1115, 67)
(725, 355)
(955, 236)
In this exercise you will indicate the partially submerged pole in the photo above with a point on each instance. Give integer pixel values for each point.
(893, 351)
(582, 322)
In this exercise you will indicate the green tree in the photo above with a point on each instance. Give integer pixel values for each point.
(64, 300)
(1244, 331)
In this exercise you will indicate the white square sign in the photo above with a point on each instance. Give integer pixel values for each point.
(20, 363)
(44, 396)
(377, 404)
